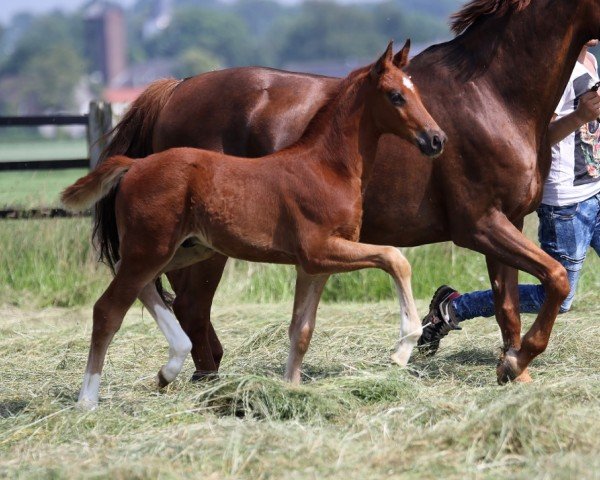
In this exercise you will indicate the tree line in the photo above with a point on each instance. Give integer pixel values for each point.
(42, 58)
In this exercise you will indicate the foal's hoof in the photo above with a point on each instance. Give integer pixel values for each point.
(161, 381)
(86, 405)
(400, 359)
(204, 376)
(508, 368)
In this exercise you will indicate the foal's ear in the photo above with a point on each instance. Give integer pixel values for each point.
(379, 66)
(401, 58)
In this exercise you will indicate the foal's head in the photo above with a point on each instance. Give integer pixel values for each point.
(396, 104)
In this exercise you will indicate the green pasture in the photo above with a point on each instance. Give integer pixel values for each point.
(38, 188)
(356, 416)
(35, 188)
(52, 263)
(36, 149)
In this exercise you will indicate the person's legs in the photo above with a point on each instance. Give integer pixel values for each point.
(595, 242)
(481, 303)
(564, 233)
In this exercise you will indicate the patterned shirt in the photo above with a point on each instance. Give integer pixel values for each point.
(575, 171)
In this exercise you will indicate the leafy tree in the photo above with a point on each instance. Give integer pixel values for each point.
(46, 62)
(3, 52)
(210, 30)
(259, 15)
(390, 21)
(44, 34)
(194, 61)
(440, 9)
(596, 51)
(327, 30)
(49, 77)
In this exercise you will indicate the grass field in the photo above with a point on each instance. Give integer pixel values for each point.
(355, 417)
(31, 189)
(37, 149)
(51, 263)
(35, 188)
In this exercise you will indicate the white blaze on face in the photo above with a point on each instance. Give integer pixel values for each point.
(408, 83)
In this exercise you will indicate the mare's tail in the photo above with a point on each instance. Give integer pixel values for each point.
(96, 185)
(132, 137)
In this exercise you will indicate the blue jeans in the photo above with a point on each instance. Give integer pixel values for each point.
(565, 233)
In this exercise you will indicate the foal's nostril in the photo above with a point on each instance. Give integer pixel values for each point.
(431, 143)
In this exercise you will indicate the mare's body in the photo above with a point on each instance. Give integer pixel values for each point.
(493, 90)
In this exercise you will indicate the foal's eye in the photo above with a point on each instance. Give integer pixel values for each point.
(396, 98)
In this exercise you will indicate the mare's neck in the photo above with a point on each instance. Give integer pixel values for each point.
(530, 57)
(348, 137)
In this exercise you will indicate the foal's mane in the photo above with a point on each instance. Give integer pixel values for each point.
(324, 114)
(475, 9)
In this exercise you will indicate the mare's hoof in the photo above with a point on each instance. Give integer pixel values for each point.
(204, 376)
(508, 368)
(524, 377)
(161, 381)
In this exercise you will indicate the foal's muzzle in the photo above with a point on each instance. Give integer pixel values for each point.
(431, 142)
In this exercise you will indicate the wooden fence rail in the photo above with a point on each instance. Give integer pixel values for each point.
(98, 123)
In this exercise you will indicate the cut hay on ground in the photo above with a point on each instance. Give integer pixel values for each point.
(356, 416)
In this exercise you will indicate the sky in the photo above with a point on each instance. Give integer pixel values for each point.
(9, 8)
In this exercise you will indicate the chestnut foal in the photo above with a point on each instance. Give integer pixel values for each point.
(300, 206)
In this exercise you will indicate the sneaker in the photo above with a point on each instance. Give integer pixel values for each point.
(440, 320)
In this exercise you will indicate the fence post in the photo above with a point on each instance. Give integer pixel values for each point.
(99, 124)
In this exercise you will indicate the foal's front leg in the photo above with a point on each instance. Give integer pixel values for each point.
(306, 301)
(340, 255)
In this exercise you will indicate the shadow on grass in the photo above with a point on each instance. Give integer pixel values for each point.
(474, 356)
(466, 365)
(11, 408)
(309, 372)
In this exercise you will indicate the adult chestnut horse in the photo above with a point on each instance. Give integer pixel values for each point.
(301, 205)
(492, 89)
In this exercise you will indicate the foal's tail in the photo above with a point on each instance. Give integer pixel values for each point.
(96, 185)
(132, 137)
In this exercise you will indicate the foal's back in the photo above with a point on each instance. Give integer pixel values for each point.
(254, 210)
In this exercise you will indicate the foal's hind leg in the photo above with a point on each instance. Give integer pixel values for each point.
(179, 343)
(308, 293)
(109, 311)
(340, 255)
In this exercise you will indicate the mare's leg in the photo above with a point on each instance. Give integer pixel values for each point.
(195, 287)
(500, 239)
(504, 281)
(306, 301)
(179, 343)
(109, 311)
(339, 255)
(505, 286)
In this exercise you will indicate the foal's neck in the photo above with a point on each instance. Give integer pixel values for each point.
(348, 137)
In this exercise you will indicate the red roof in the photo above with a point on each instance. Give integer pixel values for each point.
(122, 95)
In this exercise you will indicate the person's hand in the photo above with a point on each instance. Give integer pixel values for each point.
(588, 109)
